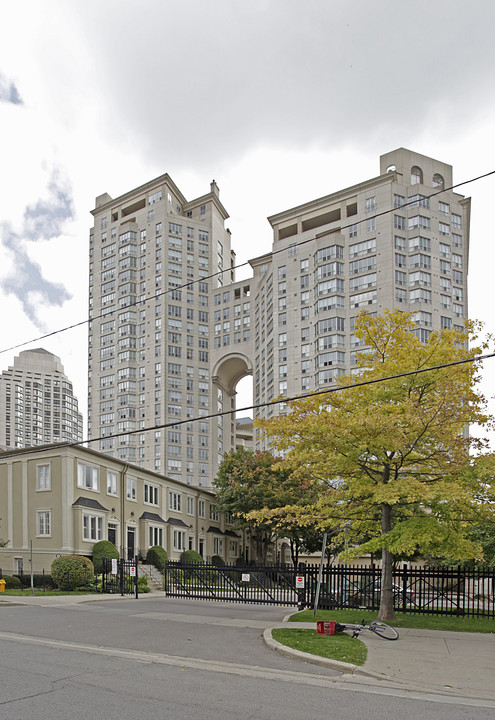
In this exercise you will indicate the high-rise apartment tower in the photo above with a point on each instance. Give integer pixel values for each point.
(171, 332)
(37, 404)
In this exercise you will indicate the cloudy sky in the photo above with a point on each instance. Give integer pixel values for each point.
(280, 101)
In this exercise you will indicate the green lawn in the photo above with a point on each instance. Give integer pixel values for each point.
(337, 647)
(406, 620)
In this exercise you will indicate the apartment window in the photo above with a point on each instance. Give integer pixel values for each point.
(420, 296)
(88, 477)
(419, 243)
(400, 295)
(111, 482)
(420, 260)
(92, 527)
(371, 224)
(353, 231)
(443, 229)
(416, 175)
(43, 523)
(399, 201)
(400, 277)
(400, 260)
(399, 222)
(444, 208)
(445, 323)
(419, 221)
(43, 481)
(400, 243)
(174, 501)
(420, 278)
(363, 248)
(456, 220)
(370, 204)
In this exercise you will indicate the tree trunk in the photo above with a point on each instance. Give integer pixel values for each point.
(386, 611)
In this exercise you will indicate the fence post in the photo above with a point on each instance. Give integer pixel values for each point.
(136, 575)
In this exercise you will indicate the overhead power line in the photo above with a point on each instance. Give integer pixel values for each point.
(192, 282)
(270, 403)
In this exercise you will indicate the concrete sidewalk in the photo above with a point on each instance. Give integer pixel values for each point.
(455, 664)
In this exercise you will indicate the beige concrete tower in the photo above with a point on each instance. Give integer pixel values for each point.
(37, 404)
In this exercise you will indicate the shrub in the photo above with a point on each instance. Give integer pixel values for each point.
(157, 556)
(143, 584)
(12, 582)
(72, 571)
(103, 549)
(218, 561)
(191, 556)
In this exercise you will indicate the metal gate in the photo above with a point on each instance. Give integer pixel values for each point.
(270, 585)
(120, 576)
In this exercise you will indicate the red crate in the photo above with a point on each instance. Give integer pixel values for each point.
(325, 627)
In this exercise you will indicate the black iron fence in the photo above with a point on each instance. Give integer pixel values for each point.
(231, 583)
(436, 591)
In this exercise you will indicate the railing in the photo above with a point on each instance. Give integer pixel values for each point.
(426, 590)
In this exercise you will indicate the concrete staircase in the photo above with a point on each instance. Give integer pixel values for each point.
(155, 577)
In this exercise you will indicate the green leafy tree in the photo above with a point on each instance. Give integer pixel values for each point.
(390, 459)
(250, 481)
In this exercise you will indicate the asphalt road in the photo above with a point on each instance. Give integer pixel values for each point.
(163, 658)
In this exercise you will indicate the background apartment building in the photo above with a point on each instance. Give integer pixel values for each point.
(156, 260)
(161, 350)
(37, 404)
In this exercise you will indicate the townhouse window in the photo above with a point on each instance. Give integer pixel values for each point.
(92, 527)
(111, 482)
(131, 489)
(174, 501)
(155, 535)
(151, 494)
(179, 540)
(218, 546)
(88, 476)
(201, 508)
(43, 480)
(43, 523)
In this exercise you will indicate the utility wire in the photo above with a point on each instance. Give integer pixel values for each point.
(240, 265)
(270, 403)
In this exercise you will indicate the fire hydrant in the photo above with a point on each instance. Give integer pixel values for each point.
(2, 585)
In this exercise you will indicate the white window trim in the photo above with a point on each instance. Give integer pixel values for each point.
(49, 483)
(39, 511)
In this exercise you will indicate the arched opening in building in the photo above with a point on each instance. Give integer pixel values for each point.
(233, 388)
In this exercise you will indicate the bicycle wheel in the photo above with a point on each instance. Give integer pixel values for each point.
(383, 630)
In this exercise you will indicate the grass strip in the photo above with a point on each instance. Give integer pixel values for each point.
(404, 620)
(336, 647)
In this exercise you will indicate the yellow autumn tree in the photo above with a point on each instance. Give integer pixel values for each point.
(391, 458)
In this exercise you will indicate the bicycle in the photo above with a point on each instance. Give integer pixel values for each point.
(375, 626)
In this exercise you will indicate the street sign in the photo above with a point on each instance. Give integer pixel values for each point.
(246, 577)
(299, 581)
(132, 571)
